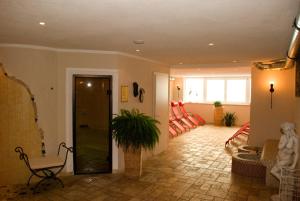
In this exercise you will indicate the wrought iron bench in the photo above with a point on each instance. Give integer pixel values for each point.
(47, 167)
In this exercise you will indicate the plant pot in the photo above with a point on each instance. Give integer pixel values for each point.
(228, 124)
(218, 116)
(133, 163)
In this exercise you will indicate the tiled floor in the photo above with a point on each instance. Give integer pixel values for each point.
(195, 167)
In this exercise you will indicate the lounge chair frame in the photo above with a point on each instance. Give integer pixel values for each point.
(195, 118)
(244, 130)
(179, 117)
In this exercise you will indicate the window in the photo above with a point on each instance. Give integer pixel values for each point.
(193, 90)
(230, 90)
(215, 90)
(236, 91)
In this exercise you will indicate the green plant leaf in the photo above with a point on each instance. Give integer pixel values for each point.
(229, 118)
(217, 103)
(135, 130)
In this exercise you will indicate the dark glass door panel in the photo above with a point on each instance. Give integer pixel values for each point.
(91, 119)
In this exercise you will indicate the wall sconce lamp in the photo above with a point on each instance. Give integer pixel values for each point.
(178, 89)
(271, 91)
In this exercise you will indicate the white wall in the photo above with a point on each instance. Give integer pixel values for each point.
(297, 106)
(161, 108)
(265, 122)
(45, 68)
(297, 120)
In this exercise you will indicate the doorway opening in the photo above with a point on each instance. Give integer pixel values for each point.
(92, 111)
(208, 95)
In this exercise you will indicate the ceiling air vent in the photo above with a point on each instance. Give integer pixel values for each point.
(289, 61)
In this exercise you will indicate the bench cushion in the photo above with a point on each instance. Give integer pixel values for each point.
(46, 162)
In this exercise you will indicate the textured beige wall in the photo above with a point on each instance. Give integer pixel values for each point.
(38, 69)
(265, 122)
(44, 69)
(17, 128)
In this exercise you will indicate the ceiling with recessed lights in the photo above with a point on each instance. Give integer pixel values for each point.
(191, 32)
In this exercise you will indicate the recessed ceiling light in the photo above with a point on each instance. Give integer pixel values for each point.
(137, 50)
(42, 23)
(211, 44)
(235, 61)
(180, 63)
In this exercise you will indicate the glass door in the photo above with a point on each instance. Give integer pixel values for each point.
(91, 124)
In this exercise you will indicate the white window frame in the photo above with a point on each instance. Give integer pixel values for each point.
(225, 78)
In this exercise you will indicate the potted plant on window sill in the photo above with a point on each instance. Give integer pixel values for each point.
(134, 131)
(218, 113)
(229, 119)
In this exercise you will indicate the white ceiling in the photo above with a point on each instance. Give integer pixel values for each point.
(174, 31)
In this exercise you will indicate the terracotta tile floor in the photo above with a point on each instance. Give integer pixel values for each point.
(195, 167)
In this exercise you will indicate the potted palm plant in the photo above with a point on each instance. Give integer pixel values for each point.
(134, 131)
(218, 113)
(229, 119)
